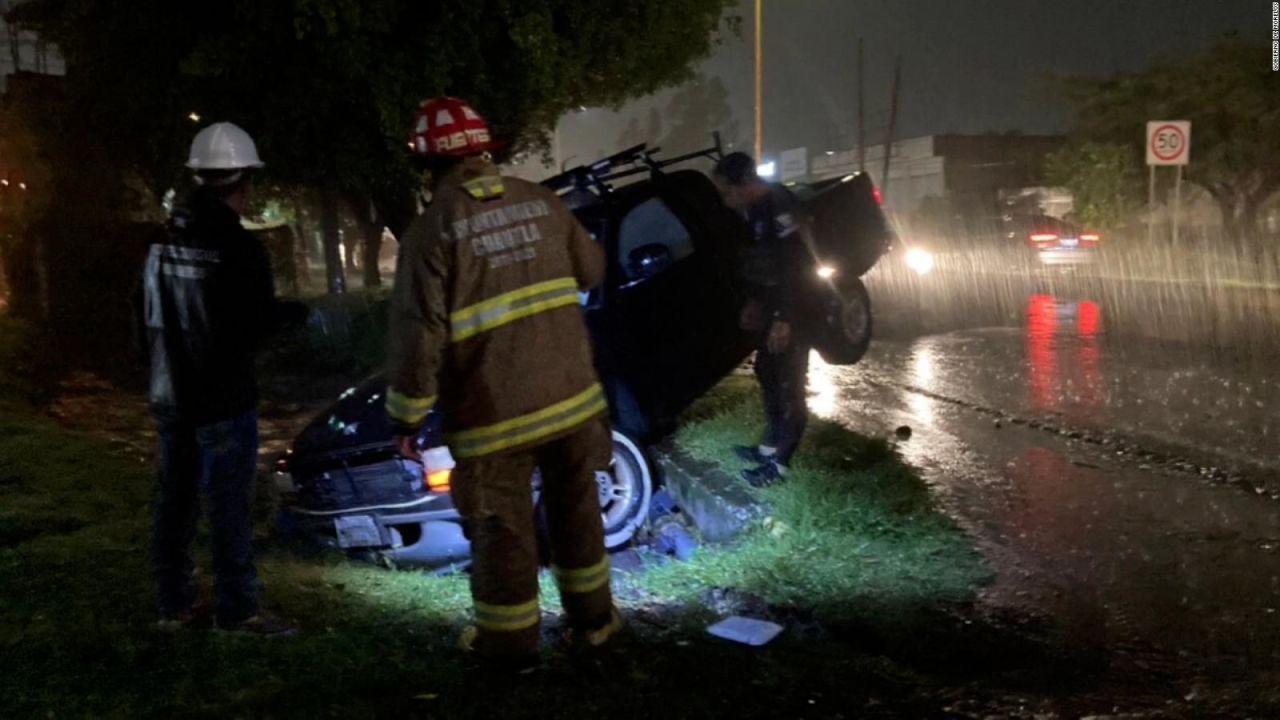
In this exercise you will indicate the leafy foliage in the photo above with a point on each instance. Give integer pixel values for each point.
(1103, 179)
(1233, 101)
(328, 86)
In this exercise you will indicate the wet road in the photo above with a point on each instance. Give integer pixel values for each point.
(1113, 450)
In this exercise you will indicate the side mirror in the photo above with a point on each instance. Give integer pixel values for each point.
(649, 260)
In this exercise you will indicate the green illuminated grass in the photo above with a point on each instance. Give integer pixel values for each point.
(76, 600)
(852, 533)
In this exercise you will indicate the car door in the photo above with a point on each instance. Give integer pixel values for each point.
(666, 330)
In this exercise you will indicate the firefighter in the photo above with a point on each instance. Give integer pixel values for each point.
(772, 269)
(486, 328)
(207, 299)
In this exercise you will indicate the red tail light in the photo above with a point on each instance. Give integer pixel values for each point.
(1090, 239)
(438, 481)
(1040, 240)
(875, 193)
(437, 469)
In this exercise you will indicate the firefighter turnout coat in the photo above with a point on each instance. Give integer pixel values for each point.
(486, 322)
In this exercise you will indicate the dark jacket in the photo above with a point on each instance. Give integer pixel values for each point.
(207, 300)
(778, 254)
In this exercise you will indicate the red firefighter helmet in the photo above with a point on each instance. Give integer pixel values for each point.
(449, 127)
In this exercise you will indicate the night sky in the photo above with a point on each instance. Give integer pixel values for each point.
(968, 66)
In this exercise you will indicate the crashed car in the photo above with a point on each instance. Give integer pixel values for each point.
(665, 330)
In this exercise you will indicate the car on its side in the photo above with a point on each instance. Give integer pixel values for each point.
(665, 330)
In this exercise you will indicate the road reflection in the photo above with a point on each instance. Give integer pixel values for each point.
(824, 394)
(1064, 357)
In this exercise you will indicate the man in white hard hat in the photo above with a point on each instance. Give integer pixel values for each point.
(208, 298)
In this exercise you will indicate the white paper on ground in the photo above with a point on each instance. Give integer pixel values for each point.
(746, 630)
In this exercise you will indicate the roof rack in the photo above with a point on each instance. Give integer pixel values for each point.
(598, 177)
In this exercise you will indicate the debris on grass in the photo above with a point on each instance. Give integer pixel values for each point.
(747, 631)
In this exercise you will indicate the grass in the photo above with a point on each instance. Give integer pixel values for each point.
(854, 534)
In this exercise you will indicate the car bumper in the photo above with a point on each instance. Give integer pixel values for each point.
(426, 531)
(1067, 256)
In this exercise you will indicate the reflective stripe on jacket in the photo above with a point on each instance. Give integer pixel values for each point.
(485, 318)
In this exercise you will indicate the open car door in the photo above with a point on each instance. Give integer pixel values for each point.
(666, 329)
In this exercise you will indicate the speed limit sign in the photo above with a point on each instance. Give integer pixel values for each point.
(1168, 142)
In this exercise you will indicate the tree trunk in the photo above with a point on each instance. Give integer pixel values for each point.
(20, 263)
(371, 225)
(329, 228)
(351, 242)
(301, 257)
(1250, 230)
(372, 248)
(1230, 218)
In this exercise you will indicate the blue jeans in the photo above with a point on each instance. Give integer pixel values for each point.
(220, 462)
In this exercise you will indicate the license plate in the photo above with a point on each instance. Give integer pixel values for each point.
(1070, 242)
(357, 531)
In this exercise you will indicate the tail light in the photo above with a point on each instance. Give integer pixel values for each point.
(1090, 239)
(1040, 240)
(875, 193)
(437, 469)
(438, 481)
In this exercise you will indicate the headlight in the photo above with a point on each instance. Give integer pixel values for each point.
(826, 272)
(921, 261)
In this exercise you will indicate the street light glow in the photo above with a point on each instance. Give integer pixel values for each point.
(194, 116)
(767, 170)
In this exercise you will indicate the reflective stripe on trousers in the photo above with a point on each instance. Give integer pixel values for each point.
(583, 580)
(508, 618)
(492, 495)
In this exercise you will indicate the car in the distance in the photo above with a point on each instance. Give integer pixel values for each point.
(1055, 242)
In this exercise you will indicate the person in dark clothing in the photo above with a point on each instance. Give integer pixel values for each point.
(207, 300)
(772, 266)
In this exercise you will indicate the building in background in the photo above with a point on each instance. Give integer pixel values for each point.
(970, 174)
(24, 51)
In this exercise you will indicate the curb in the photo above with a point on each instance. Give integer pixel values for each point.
(720, 506)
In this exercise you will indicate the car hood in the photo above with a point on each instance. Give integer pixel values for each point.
(355, 424)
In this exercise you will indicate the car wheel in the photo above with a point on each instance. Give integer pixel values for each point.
(846, 332)
(626, 490)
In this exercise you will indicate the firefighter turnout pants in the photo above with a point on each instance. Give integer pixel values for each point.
(494, 495)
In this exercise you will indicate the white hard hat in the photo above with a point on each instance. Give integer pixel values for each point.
(223, 146)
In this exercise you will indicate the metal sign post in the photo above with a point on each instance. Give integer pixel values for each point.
(1151, 204)
(1177, 203)
(1168, 143)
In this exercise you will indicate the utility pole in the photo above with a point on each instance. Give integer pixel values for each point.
(759, 80)
(893, 125)
(862, 125)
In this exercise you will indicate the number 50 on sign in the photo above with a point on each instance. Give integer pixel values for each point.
(1168, 142)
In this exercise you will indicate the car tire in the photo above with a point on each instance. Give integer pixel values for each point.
(626, 491)
(845, 333)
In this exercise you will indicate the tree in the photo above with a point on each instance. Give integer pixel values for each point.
(1103, 179)
(328, 87)
(1233, 101)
